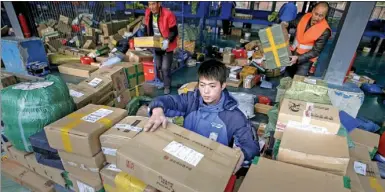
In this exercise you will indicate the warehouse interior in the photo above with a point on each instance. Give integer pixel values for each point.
(64, 62)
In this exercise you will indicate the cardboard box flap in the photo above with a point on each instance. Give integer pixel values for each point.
(127, 128)
(365, 138)
(270, 175)
(359, 152)
(93, 164)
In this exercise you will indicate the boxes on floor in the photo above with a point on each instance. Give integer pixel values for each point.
(367, 139)
(26, 177)
(139, 56)
(79, 131)
(325, 152)
(112, 27)
(114, 138)
(7, 80)
(77, 69)
(47, 172)
(156, 159)
(228, 58)
(148, 42)
(131, 26)
(118, 76)
(270, 175)
(275, 43)
(122, 99)
(233, 82)
(188, 87)
(318, 118)
(134, 73)
(100, 85)
(249, 81)
(82, 95)
(83, 184)
(248, 70)
(110, 96)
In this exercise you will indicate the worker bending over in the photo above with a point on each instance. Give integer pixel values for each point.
(209, 111)
(161, 22)
(312, 34)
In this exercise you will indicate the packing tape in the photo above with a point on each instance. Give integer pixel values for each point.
(64, 131)
(274, 47)
(375, 185)
(108, 187)
(137, 93)
(125, 182)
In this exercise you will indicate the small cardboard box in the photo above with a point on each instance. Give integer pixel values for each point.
(233, 82)
(270, 175)
(367, 139)
(242, 62)
(64, 28)
(106, 99)
(228, 58)
(314, 117)
(18, 156)
(236, 32)
(122, 99)
(325, 152)
(83, 166)
(118, 76)
(112, 27)
(77, 69)
(140, 56)
(114, 39)
(81, 95)
(248, 70)
(82, 184)
(79, 131)
(45, 171)
(157, 159)
(65, 19)
(134, 73)
(26, 177)
(249, 81)
(89, 44)
(188, 87)
(148, 42)
(262, 108)
(100, 85)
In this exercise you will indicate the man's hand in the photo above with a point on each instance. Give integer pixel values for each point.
(285, 24)
(165, 44)
(156, 120)
(240, 161)
(293, 59)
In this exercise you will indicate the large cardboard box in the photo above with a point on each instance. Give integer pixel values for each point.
(100, 85)
(134, 73)
(313, 117)
(85, 184)
(325, 152)
(139, 56)
(188, 87)
(367, 139)
(114, 138)
(47, 172)
(26, 177)
(275, 43)
(269, 175)
(83, 166)
(148, 42)
(79, 131)
(118, 76)
(77, 69)
(122, 99)
(176, 159)
(81, 95)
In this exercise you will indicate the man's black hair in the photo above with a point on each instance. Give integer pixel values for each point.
(214, 70)
(323, 3)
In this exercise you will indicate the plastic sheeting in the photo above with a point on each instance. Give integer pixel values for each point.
(245, 103)
(28, 107)
(348, 98)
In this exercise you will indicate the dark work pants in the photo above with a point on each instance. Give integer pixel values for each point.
(163, 61)
(298, 69)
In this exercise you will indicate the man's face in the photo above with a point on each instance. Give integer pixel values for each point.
(154, 6)
(210, 90)
(319, 13)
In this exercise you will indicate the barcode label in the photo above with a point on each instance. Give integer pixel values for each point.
(95, 116)
(113, 167)
(109, 151)
(76, 94)
(127, 127)
(184, 153)
(95, 82)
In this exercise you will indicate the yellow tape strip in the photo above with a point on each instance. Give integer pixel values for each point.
(137, 90)
(108, 188)
(64, 131)
(124, 182)
(274, 47)
(185, 90)
(375, 185)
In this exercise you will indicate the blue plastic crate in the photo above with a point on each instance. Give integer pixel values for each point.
(39, 141)
(45, 154)
(16, 53)
(55, 163)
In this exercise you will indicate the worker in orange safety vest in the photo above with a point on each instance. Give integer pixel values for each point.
(312, 34)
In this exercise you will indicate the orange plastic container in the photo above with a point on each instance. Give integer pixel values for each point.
(149, 70)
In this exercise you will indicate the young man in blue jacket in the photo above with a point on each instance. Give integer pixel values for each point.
(209, 111)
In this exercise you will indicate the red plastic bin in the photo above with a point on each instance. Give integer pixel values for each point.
(149, 71)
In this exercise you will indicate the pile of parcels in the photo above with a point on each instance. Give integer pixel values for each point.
(100, 148)
(359, 80)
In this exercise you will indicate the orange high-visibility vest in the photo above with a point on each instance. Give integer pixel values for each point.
(305, 40)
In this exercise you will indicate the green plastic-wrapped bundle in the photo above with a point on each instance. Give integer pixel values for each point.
(28, 107)
(135, 103)
(273, 118)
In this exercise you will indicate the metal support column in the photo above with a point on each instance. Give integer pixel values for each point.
(13, 19)
(353, 24)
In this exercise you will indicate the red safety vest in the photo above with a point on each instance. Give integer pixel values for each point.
(305, 40)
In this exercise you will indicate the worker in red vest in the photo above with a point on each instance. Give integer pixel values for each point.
(161, 22)
(312, 34)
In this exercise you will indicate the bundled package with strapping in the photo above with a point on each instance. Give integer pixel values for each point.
(28, 107)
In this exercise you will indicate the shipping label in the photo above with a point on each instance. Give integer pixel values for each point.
(76, 94)
(95, 116)
(109, 151)
(84, 187)
(184, 153)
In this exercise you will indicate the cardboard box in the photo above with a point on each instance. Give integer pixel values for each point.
(134, 73)
(100, 85)
(79, 131)
(242, 62)
(359, 152)
(114, 138)
(269, 175)
(131, 26)
(106, 99)
(275, 43)
(65, 19)
(89, 44)
(82, 184)
(325, 152)
(64, 28)
(112, 27)
(228, 58)
(249, 81)
(367, 139)
(137, 91)
(114, 39)
(188, 87)
(233, 82)
(18, 156)
(248, 70)
(140, 56)
(148, 42)
(83, 166)
(7, 80)
(143, 111)
(104, 40)
(47, 172)
(236, 32)
(26, 177)
(96, 64)
(122, 100)
(77, 69)
(155, 159)
(81, 95)
(262, 108)
(122, 31)
(40, 29)
(314, 117)
(108, 174)
(118, 76)
(72, 51)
